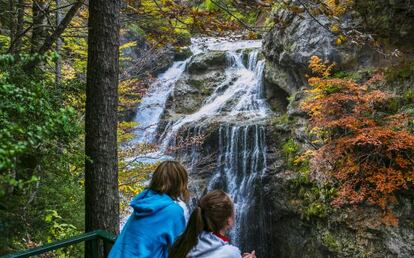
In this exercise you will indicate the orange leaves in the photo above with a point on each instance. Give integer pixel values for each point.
(368, 153)
(375, 78)
(317, 66)
(389, 219)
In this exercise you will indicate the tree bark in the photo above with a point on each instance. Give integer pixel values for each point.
(17, 39)
(12, 20)
(39, 25)
(101, 168)
(58, 67)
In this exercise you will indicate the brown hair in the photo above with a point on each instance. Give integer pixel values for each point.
(211, 214)
(171, 177)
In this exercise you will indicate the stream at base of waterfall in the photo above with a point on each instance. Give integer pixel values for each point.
(239, 112)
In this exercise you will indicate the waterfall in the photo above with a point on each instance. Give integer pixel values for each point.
(241, 162)
(238, 106)
(153, 103)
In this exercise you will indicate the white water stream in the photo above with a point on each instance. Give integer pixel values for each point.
(237, 103)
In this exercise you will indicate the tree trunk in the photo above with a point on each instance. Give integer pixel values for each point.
(58, 68)
(12, 20)
(51, 39)
(20, 26)
(101, 168)
(39, 24)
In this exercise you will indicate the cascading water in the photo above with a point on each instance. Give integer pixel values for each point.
(238, 106)
(242, 161)
(153, 104)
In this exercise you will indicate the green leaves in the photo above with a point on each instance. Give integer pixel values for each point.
(31, 118)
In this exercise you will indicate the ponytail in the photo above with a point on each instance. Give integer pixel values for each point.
(189, 238)
(211, 215)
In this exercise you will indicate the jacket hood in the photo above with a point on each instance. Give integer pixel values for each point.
(149, 202)
(209, 245)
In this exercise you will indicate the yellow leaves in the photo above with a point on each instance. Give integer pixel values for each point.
(125, 131)
(335, 28)
(317, 66)
(4, 42)
(131, 190)
(68, 72)
(340, 40)
(130, 92)
(338, 7)
(252, 35)
(304, 157)
(128, 45)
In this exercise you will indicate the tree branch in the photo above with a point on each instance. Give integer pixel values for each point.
(60, 28)
(247, 26)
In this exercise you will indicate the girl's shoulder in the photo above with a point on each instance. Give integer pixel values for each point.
(184, 209)
(177, 209)
(230, 251)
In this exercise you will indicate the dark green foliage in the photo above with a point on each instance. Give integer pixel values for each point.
(402, 71)
(41, 158)
(391, 20)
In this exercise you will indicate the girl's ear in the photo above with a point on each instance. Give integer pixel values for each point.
(230, 222)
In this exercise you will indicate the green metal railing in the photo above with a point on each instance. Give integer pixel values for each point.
(94, 237)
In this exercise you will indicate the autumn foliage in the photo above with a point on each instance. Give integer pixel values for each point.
(366, 150)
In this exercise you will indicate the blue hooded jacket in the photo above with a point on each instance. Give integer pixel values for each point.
(157, 220)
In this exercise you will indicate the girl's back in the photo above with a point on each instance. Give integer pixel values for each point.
(157, 218)
(152, 227)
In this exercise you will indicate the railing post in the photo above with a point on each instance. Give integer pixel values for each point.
(94, 249)
(107, 247)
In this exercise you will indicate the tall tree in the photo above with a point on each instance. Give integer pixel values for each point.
(58, 68)
(17, 39)
(39, 24)
(12, 20)
(101, 171)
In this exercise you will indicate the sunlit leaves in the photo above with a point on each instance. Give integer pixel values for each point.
(338, 7)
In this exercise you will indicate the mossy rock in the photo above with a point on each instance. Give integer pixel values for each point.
(205, 61)
(182, 53)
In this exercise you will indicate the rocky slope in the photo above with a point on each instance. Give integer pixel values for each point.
(301, 223)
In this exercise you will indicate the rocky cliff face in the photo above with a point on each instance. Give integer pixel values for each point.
(296, 37)
(301, 224)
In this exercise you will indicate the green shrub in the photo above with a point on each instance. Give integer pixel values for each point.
(41, 158)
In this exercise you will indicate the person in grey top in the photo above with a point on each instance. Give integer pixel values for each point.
(204, 236)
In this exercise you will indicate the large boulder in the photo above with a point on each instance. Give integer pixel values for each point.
(289, 46)
(191, 90)
(207, 61)
(204, 73)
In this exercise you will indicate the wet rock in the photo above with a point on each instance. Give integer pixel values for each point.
(206, 61)
(191, 90)
(182, 53)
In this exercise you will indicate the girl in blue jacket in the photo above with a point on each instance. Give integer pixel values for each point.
(158, 217)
